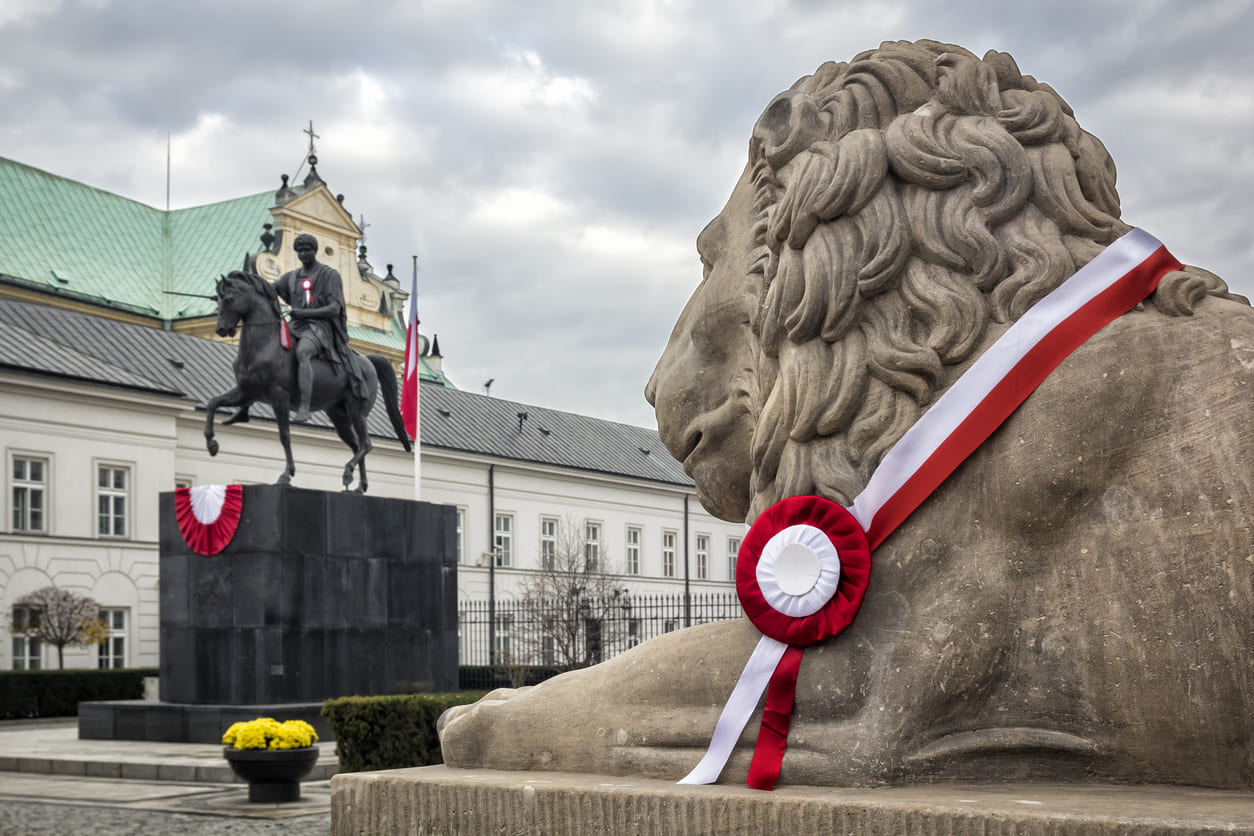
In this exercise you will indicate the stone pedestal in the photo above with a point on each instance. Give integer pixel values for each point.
(455, 802)
(318, 595)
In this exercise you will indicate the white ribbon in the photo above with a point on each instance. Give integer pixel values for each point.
(740, 707)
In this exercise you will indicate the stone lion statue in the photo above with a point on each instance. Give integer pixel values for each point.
(1077, 599)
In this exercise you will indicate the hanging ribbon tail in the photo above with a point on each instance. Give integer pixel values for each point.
(285, 335)
(768, 756)
(739, 708)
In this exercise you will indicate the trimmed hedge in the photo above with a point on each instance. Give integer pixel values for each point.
(390, 732)
(57, 693)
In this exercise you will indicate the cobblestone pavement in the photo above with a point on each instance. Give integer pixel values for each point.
(25, 818)
(35, 805)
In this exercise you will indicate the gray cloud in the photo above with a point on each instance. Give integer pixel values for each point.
(552, 162)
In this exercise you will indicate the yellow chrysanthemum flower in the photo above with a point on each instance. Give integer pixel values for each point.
(268, 733)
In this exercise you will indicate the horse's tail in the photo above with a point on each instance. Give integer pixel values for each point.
(387, 386)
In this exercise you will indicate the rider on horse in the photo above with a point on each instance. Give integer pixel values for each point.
(319, 323)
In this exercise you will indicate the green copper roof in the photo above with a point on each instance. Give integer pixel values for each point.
(66, 238)
(74, 240)
(209, 241)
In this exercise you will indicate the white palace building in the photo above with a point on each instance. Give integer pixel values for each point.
(105, 371)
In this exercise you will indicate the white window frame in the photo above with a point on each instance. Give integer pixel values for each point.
(669, 540)
(503, 539)
(29, 487)
(114, 651)
(460, 535)
(111, 492)
(703, 557)
(592, 545)
(182, 481)
(548, 542)
(733, 549)
(27, 650)
(635, 536)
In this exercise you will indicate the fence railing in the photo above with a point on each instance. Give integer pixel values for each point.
(576, 633)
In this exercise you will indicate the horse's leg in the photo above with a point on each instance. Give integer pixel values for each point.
(344, 428)
(281, 406)
(240, 416)
(364, 446)
(232, 398)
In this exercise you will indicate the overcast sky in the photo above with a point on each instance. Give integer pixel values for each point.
(552, 162)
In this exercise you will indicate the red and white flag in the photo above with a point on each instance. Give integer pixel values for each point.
(409, 384)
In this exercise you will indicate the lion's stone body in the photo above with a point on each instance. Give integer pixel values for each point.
(1076, 600)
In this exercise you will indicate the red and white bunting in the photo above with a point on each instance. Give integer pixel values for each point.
(208, 516)
(785, 564)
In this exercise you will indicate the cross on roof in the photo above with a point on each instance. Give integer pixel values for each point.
(312, 136)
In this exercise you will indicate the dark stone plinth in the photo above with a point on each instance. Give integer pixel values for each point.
(182, 723)
(318, 595)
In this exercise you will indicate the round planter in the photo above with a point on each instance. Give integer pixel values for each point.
(273, 775)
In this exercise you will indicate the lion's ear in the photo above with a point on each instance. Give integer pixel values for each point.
(789, 125)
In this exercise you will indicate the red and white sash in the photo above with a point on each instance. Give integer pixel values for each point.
(804, 565)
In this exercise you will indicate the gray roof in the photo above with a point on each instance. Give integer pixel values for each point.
(48, 341)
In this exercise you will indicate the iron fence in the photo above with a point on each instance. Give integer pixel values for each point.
(575, 633)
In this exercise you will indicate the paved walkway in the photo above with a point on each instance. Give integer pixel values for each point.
(52, 782)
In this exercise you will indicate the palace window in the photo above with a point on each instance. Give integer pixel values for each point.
(461, 534)
(668, 554)
(27, 651)
(548, 542)
(504, 639)
(592, 546)
(112, 652)
(703, 556)
(30, 494)
(112, 492)
(733, 550)
(504, 541)
(633, 550)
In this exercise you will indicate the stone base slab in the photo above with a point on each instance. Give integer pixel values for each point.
(456, 802)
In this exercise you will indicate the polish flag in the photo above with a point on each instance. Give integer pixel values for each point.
(409, 383)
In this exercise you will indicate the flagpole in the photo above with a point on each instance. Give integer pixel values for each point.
(413, 301)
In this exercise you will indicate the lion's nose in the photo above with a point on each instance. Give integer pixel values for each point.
(650, 388)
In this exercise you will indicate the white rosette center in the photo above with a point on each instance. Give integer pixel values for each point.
(798, 570)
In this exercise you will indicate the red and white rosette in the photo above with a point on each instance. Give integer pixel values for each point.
(208, 515)
(804, 566)
(801, 573)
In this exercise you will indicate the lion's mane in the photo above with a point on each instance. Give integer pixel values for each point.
(907, 201)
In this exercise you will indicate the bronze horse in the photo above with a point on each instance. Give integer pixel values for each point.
(265, 372)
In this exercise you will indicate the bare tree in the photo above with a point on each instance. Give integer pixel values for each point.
(60, 618)
(571, 607)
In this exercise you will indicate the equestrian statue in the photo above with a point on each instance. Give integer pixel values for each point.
(308, 362)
